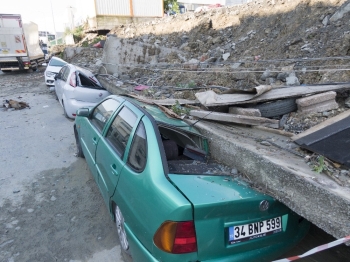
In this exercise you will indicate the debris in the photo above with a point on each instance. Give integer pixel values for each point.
(141, 87)
(15, 104)
(239, 119)
(16, 191)
(317, 103)
(210, 98)
(330, 138)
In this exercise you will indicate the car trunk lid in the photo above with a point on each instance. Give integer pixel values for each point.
(221, 203)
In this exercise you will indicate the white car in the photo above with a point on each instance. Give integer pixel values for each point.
(76, 87)
(52, 69)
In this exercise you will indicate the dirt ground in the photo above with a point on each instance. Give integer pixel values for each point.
(50, 206)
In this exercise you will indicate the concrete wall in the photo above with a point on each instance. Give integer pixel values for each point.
(119, 54)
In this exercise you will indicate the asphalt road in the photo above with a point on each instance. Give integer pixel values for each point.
(50, 206)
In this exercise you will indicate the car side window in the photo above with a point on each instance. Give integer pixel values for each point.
(60, 73)
(119, 132)
(65, 74)
(103, 112)
(138, 150)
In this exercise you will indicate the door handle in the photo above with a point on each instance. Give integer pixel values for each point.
(114, 169)
(94, 140)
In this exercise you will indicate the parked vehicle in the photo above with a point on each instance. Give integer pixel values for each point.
(168, 200)
(53, 67)
(19, 49)
(77, 87)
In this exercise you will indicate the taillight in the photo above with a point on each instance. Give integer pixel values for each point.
(73, 80)
(176, 237)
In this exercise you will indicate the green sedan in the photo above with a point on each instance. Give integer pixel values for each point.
(170, 202)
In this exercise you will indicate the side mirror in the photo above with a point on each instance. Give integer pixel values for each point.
(56, 77)
(84, 112)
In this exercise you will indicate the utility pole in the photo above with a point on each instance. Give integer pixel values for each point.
(53, 19)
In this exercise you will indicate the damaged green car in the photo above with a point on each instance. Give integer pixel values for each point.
(169, 201)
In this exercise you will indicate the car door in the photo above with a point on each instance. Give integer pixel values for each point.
(59, 82)
(111, 151)
(91, 134)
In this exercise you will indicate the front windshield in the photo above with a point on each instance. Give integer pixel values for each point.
(55, 62)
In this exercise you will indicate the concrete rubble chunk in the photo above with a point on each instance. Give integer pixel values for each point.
(226, 56)
(317, 103)
(292, 80)
(244, 111)
(347, 102)
(315, 99)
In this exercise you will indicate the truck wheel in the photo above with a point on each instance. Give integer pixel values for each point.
(276, 108)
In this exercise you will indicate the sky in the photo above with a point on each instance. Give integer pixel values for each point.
(40, 12)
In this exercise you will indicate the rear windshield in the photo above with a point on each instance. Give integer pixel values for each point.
(55, 62)
(89, 82)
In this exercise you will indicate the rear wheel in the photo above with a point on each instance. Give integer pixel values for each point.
(64, 110)
(78, 144)
(124, 244)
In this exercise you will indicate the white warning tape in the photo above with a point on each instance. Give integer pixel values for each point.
(316, 249)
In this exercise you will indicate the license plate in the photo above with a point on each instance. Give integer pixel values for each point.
(255, 230)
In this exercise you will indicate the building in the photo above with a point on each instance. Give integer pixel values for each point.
(106, 14)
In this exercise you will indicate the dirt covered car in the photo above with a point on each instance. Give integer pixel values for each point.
(170, 202)
(76, 87)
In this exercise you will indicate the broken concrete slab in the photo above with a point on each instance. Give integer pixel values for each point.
(315, 99)
(282, 174)
(317, 103)
(238, 119)
(244, 111)
(320, 107)
(210, 98)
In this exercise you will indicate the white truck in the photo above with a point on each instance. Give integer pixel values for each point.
(19, 44)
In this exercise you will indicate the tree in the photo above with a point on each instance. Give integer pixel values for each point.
(171, 5)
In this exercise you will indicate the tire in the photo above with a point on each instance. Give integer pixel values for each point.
(124, 243)
(78, 144)
(64, 110)
(276, 108)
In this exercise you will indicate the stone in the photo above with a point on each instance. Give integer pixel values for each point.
(325, 20)
(192, 64)
(226, 56)
(282, 76)
(292, 80)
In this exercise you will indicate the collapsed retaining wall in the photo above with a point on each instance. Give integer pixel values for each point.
(283, 175)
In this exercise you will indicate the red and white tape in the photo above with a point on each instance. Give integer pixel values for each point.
(316, 249)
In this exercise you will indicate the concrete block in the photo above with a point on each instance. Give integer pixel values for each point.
(244, 111)
(315, 99)
(320, 107)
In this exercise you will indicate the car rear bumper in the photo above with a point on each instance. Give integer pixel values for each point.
(269, 253)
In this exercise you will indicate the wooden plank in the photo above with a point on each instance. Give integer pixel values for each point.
(212, 99)
(322, 125)
(238, 119)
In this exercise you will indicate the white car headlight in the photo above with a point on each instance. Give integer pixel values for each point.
(50, 74)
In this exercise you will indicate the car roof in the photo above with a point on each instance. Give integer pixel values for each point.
(59, 59)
